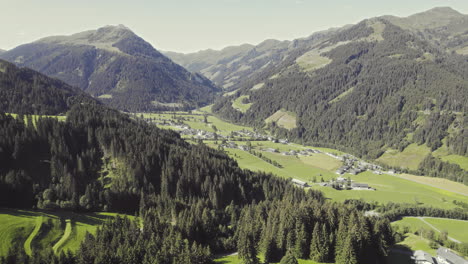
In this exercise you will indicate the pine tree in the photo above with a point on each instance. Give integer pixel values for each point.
(289, 259)
(300, 249)
(347, 254)
(316, 250)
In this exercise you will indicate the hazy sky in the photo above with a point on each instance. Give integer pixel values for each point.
(192, 25)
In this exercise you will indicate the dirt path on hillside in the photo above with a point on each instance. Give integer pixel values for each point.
(435, 228)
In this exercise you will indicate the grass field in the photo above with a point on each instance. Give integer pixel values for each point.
(410, 157)
(196, 121)
(234, 259)
(456, 159)
(80, 225)
(456, 229)
(306, 168)
(237, 104)
(283, 119)
(39, 229)
(312, 60)
(415, 242)
(389, 188)
(51, 232)
(394, 189)
(66, 235)
(438, 182)
(15, 228)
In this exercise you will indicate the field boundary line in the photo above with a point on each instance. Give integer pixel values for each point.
(66, 235)
(436, 229)
(37, 227)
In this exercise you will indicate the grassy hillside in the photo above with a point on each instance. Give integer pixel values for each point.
(405, 188)
(40, 229)
(15, 227)
(409, 158)
(456, 229)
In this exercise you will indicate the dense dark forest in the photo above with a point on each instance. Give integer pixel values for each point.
(25, 91)
(194, 201)
(399, 86)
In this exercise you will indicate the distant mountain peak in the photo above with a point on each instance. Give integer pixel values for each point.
(102, 38)
(444, 10)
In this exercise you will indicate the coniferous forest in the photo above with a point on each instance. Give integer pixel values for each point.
(183, 201)
(193, 201)
(370, 97)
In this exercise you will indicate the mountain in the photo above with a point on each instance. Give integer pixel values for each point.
(442, 26)
(192, 202)
(28, 92)
(118, 67)
(2, 51)
(366, 89)
(230, 66)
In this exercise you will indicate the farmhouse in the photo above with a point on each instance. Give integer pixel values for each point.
(445, 256)
(244, 147)
(300, 183)
(360, 186)
(342, 170)
(422, 257)
(231, 145)
(270, 150)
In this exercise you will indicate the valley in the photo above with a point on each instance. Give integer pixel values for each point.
(317, 168)
(346, 146)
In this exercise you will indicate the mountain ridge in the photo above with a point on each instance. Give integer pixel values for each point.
(364, 89)
(24, 91)
(115, 65)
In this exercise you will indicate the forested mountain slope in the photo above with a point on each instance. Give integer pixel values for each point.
(193, 201)
(230, 66)
(365, 89)
(25, 91)
(441, 26)
(115, 65)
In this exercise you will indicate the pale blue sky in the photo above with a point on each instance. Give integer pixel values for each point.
(192, 25)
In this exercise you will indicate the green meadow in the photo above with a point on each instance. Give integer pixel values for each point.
(409, 158)
(456, 229)
(40, 229)
(394, 189)
(320, 166)
(234, 259)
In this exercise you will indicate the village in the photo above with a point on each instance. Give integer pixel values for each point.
(235, 139)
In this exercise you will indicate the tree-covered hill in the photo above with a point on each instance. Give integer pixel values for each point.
(118, 67)
(192, 201)
(230, 66)
(442, 26)
(371, 87)
(25, 91)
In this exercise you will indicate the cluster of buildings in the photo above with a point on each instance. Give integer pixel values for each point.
(444, 256)
(201, 134)
(305, 152)
(342, 183)
(354, 166)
